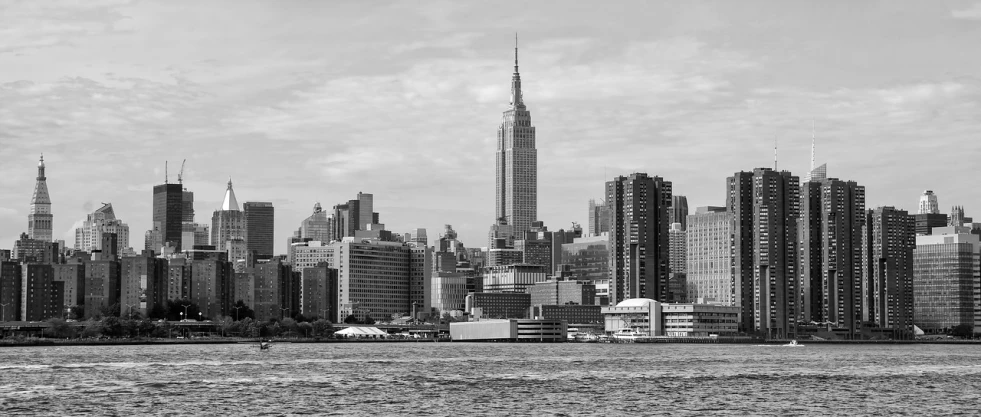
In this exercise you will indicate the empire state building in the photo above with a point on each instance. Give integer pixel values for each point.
(517, 162)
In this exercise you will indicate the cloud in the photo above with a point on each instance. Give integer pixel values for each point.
(26, 25)
(971, 13)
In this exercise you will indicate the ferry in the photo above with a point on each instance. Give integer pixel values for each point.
(628, 335)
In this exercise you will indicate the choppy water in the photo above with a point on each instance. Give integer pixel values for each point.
(490, 379)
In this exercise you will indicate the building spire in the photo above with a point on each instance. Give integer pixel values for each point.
(515, 52)
(516, 100)
(230, 203)
(812, 144)
(774, 154)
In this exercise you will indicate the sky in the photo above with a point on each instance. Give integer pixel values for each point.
(301, 102)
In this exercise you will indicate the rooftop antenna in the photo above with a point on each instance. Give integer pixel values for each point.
(812, 144)
(774, 153)
(166, 176)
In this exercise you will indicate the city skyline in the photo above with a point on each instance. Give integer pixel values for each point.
(664, 91)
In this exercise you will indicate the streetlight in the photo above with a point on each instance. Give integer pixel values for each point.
(131, 310)
(3, 311)
(286, 311)
(236, 312)
(185, 316)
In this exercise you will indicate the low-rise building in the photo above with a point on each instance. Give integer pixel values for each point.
(512, 278)
(546, 331)
(573, 314)
(647, 317)
(504, 305)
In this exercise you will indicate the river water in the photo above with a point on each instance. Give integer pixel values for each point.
(490, 379)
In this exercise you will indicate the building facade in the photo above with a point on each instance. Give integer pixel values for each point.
(832, 217)
(89, 236)
(947, 280)
(40, 220)
(516, 161)
(168, 211)
(639, 248)
(259, 228)
(889, 240)
(587, 258)
(679, 211)
(765, 205)
(512, 278)
(928, 203)
(598, 218)
(379, 279)
(708, 273)
(501, 305)
(228, 228)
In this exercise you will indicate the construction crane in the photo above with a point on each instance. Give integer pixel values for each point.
(180, 175)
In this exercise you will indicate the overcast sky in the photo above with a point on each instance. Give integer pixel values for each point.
(307, 101)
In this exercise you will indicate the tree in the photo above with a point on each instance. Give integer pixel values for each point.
(323, 327)
(76, 312)
(962, 330)
(145, 327)
(288, 326)
(368, 320)
(177, 308)
(300, 318)
(59, 328)
(159, 311)
(111, 310)
(112, 326)
(351, 319)
(304, 329)
(243, 312)
(93, 328)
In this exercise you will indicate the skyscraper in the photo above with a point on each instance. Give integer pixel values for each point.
(946, 277)
(516, 161)
(638, 237)
(228, 227)
(40, 220)
(928, 203)
(168, 211)
(832, 217)
(317, 227)
(677, 264)
(709, 256)
(599, 218)
(679, 211)
(259, 218)
(889, 240)
(353, 216)
(765, 205)
(89, 236)
(819, 173)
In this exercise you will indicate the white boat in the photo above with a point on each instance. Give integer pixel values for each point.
(793, 343)
(627, 335)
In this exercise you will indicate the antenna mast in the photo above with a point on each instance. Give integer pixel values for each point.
(812, 144)
(774, 154)
(166, 176)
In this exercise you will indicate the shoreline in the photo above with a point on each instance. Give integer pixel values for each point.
(227, 341)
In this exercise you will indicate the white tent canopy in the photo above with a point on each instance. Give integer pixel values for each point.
(361, 331)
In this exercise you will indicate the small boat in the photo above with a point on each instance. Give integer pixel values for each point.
(264, 345)
(793, 343)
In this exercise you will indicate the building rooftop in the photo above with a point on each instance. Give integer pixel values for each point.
(636, 302)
